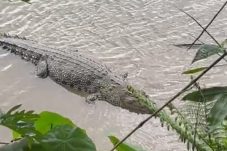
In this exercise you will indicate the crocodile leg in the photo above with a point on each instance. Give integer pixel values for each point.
(42, 68)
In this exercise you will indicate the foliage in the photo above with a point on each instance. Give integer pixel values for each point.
(179, 123)
(48, 120)
(218, 95)
(123, 147)
(194, 70)
(209, 94)
(67, 138)
(207, 50)
(20, 121)
(48, 131)
(209, 105)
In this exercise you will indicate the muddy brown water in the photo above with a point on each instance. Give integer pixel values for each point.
(133, 36)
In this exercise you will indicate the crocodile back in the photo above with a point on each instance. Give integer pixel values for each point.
(71, 69)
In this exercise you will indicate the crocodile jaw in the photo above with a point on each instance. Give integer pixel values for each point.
(121, 97)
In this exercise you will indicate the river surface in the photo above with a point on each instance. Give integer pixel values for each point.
(134, 36)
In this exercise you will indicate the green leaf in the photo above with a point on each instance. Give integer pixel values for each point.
(195, 70)
(20, 121)
(14, 109)
(209, 94)
(123, 146)
(35, 147)
(219, 112)
(49, 120)
(224, 43)
(16, 135)
(67, 138)
(206, 51)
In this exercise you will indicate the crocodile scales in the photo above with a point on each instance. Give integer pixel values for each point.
(76, 72)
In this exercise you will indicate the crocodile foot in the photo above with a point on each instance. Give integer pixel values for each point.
(42, 68)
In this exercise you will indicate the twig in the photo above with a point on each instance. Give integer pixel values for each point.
(208, 24)
(4, 143)
(200, 26)
(212, 37)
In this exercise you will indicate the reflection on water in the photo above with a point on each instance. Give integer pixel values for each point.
(133, 36)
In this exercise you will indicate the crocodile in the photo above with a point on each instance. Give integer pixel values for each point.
(76, 72)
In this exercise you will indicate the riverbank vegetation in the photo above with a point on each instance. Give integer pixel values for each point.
(201, 124)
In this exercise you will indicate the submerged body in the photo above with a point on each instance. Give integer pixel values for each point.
(76, 72)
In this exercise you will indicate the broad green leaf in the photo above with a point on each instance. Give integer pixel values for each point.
(209, 94)
(123, 147)
(218, 112)
(67, 138)
(35, 147)
(195, 70)
(49, 120)
(206, 51)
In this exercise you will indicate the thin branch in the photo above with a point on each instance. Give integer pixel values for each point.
(4, 143)
(183, 45)
(212, 37)
(195, 37)
(208, 24)
(200, 26)
(171, 100)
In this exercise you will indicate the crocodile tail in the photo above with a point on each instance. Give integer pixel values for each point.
(12, 45)
(6, 35)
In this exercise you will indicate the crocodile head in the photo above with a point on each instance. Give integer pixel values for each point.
(130, 102)
(120, 96)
